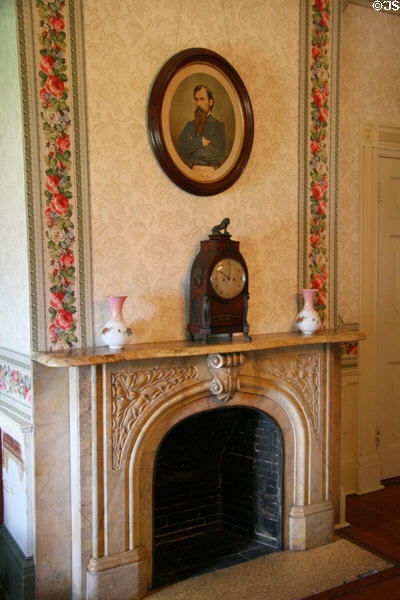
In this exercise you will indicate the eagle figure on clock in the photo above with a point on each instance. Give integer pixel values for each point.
(219, 287)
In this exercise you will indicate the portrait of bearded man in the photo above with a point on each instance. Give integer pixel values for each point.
(202, 144)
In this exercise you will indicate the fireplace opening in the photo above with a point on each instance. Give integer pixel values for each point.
(218, 480)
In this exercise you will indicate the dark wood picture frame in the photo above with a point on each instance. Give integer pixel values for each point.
(171, 109)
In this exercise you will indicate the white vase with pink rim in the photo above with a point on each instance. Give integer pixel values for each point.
(116, 332)
(308, 319)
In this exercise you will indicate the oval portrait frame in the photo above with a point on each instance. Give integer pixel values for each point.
(171, 106)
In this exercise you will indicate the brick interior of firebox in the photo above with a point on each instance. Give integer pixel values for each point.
(217, 493)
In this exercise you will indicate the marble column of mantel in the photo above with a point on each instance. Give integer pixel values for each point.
(264, 341)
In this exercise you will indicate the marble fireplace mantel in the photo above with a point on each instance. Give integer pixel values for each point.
(100, 416)
(264, 341)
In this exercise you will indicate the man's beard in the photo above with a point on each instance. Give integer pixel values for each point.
(200, 119)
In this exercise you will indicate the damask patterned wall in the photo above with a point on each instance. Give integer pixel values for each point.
(14, 284)
(146, 231)
(370, 90)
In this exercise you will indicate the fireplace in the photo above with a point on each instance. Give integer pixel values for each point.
(129, 421)
(217, 493)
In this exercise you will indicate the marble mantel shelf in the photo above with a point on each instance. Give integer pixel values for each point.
(263, 341)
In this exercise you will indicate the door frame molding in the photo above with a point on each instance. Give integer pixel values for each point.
(377, 140)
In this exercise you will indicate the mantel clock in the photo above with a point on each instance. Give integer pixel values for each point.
(219, 287)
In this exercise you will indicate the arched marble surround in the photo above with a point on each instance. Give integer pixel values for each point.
(289, 386)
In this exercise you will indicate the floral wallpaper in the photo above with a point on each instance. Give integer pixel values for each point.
(318, 255)
(16, 382)
(56, 125)
(370, 90)
(145, 231)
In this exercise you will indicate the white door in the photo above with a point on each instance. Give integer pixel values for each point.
(388, 317)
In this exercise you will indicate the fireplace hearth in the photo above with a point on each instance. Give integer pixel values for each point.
(217, 493)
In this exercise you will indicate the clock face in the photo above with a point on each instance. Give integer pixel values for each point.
(228, 278)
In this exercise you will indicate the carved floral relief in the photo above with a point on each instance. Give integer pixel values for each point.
(133, 392)
(303, 372)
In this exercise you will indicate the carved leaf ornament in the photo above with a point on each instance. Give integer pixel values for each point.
(303, 373)
(133, 392)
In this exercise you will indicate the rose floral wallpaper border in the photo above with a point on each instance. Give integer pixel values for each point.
(16, 383)
(56, 163)
(318, 172)
(51, 46)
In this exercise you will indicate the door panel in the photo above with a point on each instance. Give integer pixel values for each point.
(388, 316)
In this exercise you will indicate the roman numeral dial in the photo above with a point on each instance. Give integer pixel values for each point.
(228, 278)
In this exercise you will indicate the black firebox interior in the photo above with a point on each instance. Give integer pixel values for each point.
(218, 481)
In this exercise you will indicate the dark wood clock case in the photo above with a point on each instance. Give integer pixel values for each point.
(210, 314)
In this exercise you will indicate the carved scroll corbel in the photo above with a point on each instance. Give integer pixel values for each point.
(224, 369)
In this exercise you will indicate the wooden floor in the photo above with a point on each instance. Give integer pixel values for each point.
(375, 525)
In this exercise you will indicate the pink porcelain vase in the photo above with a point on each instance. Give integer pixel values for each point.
(115, 332)
(308, 320)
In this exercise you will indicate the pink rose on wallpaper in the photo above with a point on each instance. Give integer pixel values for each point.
(54, 86)
(318, 191)
(353, 349)
(67, 260)
(324, 20)
(319, 98)
(316, 52)
(325, 184)
(56, 300)
(28, 394)
(323, 115)
(321, 298)
(47, 214)
(321, 4)
(63, 143)
(52, 330)
(43, 98)
(52, 183)
(59, 204)
(326, 89)
(317, 282)
(321, 207)
(324, 273)
(315, 147)
(57, 23)
(46, 64)
(63, 319)
(314, 239)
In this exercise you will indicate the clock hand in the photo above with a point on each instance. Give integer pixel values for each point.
(224, 274)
